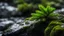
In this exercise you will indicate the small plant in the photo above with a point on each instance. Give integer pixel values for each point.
(44, 12)
(47, 15)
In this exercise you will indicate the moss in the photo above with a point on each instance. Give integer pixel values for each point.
(25, 7)
(50, 27)
(22, 6)
(57, 31)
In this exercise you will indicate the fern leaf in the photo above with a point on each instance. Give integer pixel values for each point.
(42, 8)
(39, 12)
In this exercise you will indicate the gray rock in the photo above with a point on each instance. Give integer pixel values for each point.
(8, 10)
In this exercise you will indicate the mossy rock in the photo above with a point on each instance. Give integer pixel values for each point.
(57, 31)
(25, 7)
(50, 27)
(22, 6)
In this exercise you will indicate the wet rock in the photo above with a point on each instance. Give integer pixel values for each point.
(18, 29)
(1, 33)
(60, 11)
(5, 24)
(8, 10)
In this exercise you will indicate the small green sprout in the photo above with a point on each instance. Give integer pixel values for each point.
(42, 13)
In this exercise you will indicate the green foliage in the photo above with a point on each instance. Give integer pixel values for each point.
(43, 13)
(22, 6)
(25, 7)
(32, 5)
(36, 2)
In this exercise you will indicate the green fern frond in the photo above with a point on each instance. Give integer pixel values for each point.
(42, 8)
(39, 12)
(50, 9)
(43, 12)
(36, 15)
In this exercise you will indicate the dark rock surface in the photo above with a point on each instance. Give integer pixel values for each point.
(14, 26)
